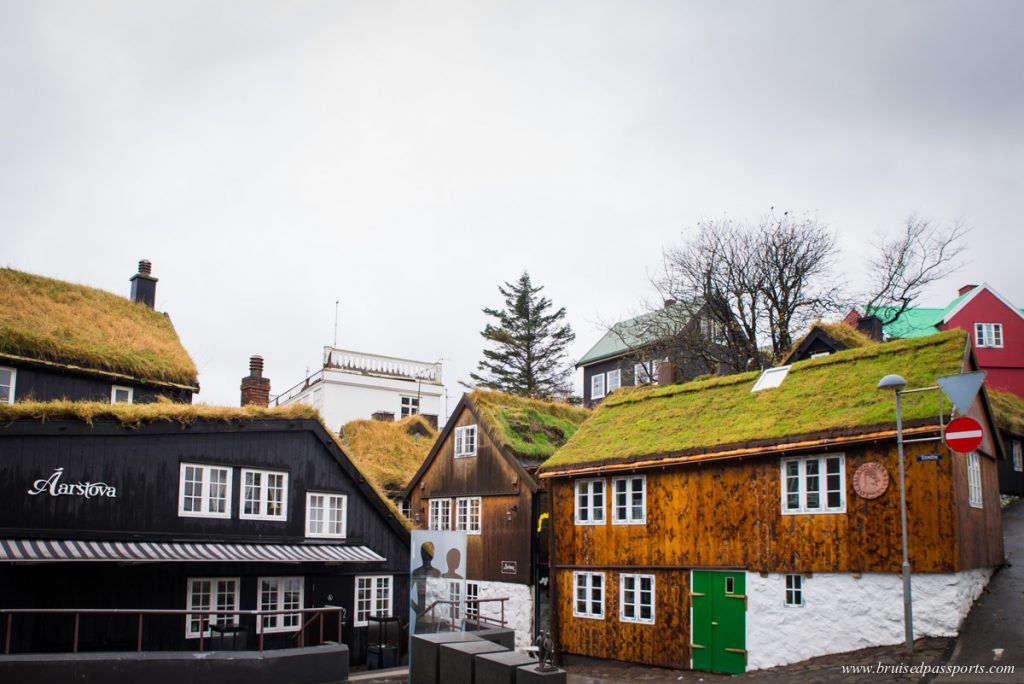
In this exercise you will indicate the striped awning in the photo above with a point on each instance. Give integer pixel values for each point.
(41, 550)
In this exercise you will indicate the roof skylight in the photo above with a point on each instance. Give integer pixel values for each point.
(772, 377)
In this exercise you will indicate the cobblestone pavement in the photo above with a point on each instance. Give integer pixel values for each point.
(821, 670)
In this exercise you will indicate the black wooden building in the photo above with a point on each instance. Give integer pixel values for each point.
(188, 508)
(61, 340)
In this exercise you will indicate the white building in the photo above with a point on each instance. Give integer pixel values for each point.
(352, 385)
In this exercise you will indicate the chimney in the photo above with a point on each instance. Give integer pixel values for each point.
(386, 416)
(871, 326)
(965, 289)
(144, 285)
(666, 373)
(255, 387)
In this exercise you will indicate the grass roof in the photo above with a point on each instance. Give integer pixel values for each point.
(830, 394)
(52, 320)
(389, 452)
(164, 411)
(1008, 410)
(532, 430)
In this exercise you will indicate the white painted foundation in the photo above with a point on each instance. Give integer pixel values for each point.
(518, 608)
(844, 613)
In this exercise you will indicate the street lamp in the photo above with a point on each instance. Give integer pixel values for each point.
(896, 383)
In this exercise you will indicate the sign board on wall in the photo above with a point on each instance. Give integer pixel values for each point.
(508, 567)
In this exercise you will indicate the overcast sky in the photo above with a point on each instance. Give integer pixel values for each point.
(406, 157)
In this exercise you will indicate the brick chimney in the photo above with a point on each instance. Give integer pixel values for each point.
(871, 326)
(144, 285)
(255, 387)
(965, 289)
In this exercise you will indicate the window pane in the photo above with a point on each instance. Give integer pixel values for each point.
(813, 484)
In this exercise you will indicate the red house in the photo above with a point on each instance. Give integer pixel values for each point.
(995, 327)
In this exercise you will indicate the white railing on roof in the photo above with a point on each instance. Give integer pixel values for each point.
(386, 366)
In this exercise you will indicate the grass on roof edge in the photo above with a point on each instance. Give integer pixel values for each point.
(133, 416)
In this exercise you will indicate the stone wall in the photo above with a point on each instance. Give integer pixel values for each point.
(518, 609)
(842, 612)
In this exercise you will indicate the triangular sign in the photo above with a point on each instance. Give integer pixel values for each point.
(961, 389)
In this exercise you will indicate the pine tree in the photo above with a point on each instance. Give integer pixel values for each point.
(528, 358)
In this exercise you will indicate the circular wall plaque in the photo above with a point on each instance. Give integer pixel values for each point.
(870, 480)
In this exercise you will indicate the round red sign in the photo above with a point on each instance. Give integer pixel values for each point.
(963, 435)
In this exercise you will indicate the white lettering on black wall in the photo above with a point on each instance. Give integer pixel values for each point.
(54, 487)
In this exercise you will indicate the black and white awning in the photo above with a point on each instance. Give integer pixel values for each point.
(42, 550)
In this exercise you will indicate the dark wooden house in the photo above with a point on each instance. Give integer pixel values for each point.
(644, 351)
(180, 508)
(59, 340)
(479, 477)
(1009, 414)
(828, 338)
(712, 526)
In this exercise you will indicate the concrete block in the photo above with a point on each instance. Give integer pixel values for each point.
(424, 655)
(528, 675)
(457, 660)
(500, 668)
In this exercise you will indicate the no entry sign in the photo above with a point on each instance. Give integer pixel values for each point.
(963, 435)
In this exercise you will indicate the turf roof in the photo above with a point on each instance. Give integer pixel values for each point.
(52, 320)
(1008, 410)
(832, 394)
(530, 429)
(386, 451)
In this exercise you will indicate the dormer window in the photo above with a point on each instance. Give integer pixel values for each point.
(7, 377)
(465, 441)
(122, 395)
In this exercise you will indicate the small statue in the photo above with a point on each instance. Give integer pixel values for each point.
(545, 652)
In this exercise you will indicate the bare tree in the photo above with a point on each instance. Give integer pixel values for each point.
(907, 264)
(737, 291)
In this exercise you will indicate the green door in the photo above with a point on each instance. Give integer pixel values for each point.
(719, 625)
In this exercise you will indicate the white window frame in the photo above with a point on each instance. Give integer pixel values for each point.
(585, 581)
(974, 495)
(204, 491)
(408, 406)
(263, 497)
(585, 491)
(114, 389)
(462, 436)
(9, 399)
(472, 594)
(268, 624)
(1018, 462)
(794, 591)
(613, 381)
(330, 503)
(373, 593)
(191, 632)
(637, 593)
(822, 479)
(629, 483)
(440, 514)
(465, 508)
(597, 386)
(455, 596)
(988, 335)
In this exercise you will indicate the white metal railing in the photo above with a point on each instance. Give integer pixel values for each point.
(390, 366)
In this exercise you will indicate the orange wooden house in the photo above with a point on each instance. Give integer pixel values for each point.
(753, 520)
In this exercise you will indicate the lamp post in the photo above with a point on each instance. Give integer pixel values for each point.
(896, 383)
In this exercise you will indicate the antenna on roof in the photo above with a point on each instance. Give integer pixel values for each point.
(336, 322)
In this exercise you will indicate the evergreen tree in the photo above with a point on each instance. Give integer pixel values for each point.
(528, 357)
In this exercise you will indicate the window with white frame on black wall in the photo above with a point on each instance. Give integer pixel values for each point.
(264, 495)
(373, 597)
(7, 378)
(204, 491)
(280, 593)
(440, 517)
(210, 593)
(597, 386)
(122, 395)
(325, 515)
(467, 514)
